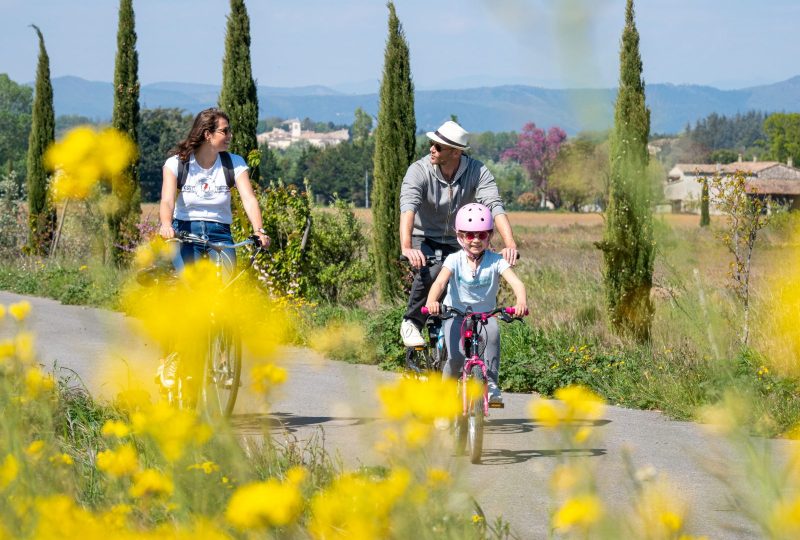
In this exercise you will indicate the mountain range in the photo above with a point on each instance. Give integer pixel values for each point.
(497, 108)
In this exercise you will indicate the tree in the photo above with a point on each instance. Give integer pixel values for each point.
(159, 129)
(783, 136)
(537, 151)
(123, 215)
(238, 96)
(627, 245)
(362, 125)
(580, 173)
(16, 101)
(41, 214)
(270, 169)
(746, 213)
(338, 171)
(705, 217)
(394, 152)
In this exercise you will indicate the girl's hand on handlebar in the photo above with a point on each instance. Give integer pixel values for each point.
(520, 309)
(166, 231)
(415, 257)
(433, 308)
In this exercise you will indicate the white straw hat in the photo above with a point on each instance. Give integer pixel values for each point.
(450, 134)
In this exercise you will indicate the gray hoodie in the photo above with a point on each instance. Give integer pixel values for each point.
(436, 201)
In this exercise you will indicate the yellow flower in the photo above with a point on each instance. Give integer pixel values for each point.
(115, 428)
(2, 311)
(151, 482)
(424, 400)
(357, 507)
(117, 515)
(265, 376)
(207, 467)
(785, 518)
(545, 412)
(34, 449)
(581, 403)
(437, 477)
(476, 518)
(579, 512)
(64, 459)
(659, 511)
(122, 462)
(23, 346)
(6, 349)
(8, 471)
(37, 382)
(172, 429)
(267, 504)
(20, 310)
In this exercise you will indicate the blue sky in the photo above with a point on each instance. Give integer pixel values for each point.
(454, 43)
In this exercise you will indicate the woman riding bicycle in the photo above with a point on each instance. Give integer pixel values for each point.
(471, 277)
(203, 192)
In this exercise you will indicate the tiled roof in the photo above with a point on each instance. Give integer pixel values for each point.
(750, 167)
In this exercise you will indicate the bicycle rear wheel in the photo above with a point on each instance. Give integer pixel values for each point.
(222, 375)
(475, 420)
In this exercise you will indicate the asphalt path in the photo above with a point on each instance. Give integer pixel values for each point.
(336, 402)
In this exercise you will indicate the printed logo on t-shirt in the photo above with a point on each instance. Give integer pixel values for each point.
(205, 188)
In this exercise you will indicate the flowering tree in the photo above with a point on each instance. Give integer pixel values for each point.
(537, 151)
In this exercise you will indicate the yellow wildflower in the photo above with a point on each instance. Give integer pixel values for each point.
(6, 349)
(117, 515)
(8, 471)
(581, 403)
(545, 412)
(64, 459)
(785, 518)
(20, 310)
(122, 462)
(659, 511)
(357, 507)
(424, 400)
(37, 382)
(172, 429)
(438, 477)
(477, 519)
(265, 376)
(34, 449)
(23, 346)
(579, 512)
(207, 467)
(2, 311)
(267, 504)
(151, 482)
(115, 428)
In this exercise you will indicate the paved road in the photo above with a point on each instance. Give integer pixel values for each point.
(105, 351)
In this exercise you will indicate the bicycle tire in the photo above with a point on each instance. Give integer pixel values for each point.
(222, 375)
(475, 420)
(460, 427)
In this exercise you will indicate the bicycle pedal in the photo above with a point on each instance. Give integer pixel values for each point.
(497, 405)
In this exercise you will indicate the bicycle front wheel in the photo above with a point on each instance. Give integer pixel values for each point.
(221, 375)
(475, 420)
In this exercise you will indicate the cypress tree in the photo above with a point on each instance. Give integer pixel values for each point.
(394, 152)
(238, 96)
(628, 246)
(705, 217)
(123, 216)
(42, 216)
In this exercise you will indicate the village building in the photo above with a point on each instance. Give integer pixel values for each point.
(281, 139)
(779, 181)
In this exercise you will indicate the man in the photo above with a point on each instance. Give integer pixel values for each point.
(433, 190)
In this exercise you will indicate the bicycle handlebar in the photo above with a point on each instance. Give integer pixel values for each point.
(449, 312)
(189, 238)
(431, 260)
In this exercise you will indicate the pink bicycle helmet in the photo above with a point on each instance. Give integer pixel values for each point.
(474, 217)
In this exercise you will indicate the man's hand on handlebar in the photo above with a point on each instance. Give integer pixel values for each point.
(510, 255)
(415, 257)
(263, 239)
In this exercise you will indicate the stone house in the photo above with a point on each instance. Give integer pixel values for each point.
(282, 139)
(780, 181)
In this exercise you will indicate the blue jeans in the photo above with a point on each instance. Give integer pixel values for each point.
(212, 231)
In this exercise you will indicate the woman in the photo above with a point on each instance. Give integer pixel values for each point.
(204, 198)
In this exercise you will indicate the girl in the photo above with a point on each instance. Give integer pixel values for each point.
(471, 277)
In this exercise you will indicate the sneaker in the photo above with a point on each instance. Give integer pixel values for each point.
(411, 334)
(495, 396)
(165, 375)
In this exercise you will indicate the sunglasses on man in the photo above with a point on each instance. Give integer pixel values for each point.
(436, 145)
(480, 235)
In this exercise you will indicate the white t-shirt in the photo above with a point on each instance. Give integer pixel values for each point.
(478, 290)
(205, 196)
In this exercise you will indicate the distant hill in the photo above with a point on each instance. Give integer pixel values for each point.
(499, 108)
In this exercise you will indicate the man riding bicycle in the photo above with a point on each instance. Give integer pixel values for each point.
(433, 189)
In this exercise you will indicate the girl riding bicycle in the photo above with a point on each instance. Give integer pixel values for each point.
(471, 277)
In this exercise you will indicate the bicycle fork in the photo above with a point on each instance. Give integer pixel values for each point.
(472, 362)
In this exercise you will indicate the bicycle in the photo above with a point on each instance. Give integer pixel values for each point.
(468, 427)
(222, 363)
(426, 359)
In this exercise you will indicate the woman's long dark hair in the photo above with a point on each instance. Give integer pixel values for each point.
(204, 121)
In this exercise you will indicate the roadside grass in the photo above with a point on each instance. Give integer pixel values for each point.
(693, 356)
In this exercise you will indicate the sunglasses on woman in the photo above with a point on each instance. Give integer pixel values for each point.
(481, 235)
(225, 131)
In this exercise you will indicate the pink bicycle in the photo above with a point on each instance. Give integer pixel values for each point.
(468, 429)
